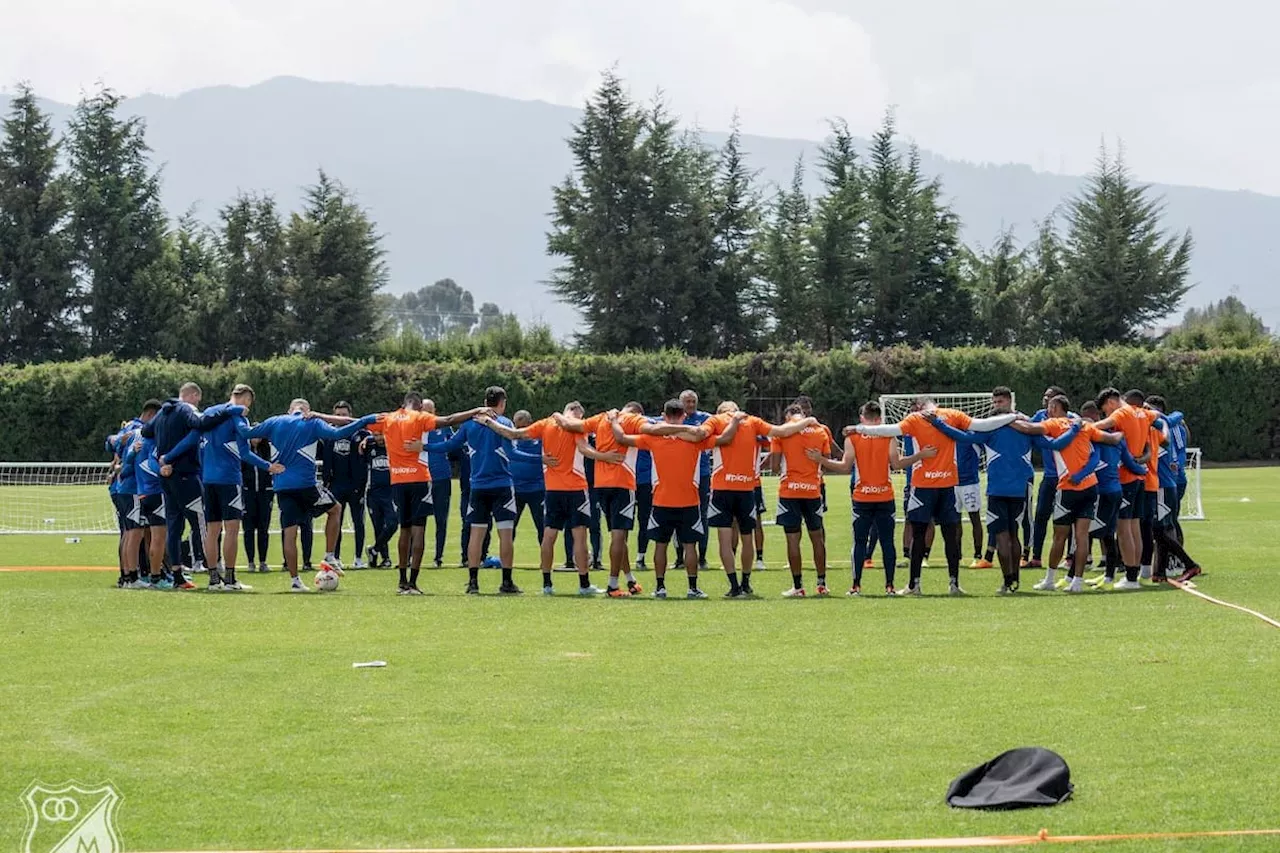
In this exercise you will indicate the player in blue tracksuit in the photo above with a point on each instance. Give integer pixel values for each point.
(125, 484)
(223, 448)
(150, 506)
(693, 416)
(969, 495)
(1047, 495)
(293, 438)
(176, 430)
(491, 497)
(121, 504)
(441, 468)
(345, 473)
(1179, 436)
(527, 475)
(259, 500)
(1165, 517)
(380, 499)
(644, 503)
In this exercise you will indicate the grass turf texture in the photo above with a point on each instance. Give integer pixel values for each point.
(238, 721)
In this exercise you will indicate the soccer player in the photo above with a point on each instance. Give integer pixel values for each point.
(1134, 426)
(615, 485)
(933, 481)
(593, 529)
(176, 430)
(871, 461)
(800, 504)
(117, 445)
(345, 473)
(1047, 495)
(969, 494)
(762, 508)
(677, 451)
(222, 449)
(693, 416)
(380, 500)
(1103, 529)
(411, 478)
(440, 466)
(150, 512)
(735, 467)
(1167, 544)
(644, 503)
(527, 475)
(126, 444)
(1180, 438)
(259, 500)
(301, 497)
(568, 507)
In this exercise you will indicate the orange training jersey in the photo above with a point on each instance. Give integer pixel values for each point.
(871, 482)
(1152, 483)
(1075, 456)
(676, 469)
(1136, 428)
(801, 476)
(940, 472)
(401, 426)
(570, 472)
(621, 475)
(735, 467)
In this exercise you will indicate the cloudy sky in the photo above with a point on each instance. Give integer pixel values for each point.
(1186, 85)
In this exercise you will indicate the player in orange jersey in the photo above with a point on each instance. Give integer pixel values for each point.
(1134, 424)
(616, 494)
(735, 469)
(800, 504)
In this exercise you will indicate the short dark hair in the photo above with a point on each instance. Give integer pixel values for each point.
(1061, 400)
(805, 402)
(342, 404)
(1055, 391)
(152, 405)
(1089, 407)
(1135, 397)
(633, 406)
(242, 389)
(1158, 402)
(1108, 394)
(871, 410)
(494, 395)
(794, 409)
(412, 400)
(1002, 391)
(672, 408)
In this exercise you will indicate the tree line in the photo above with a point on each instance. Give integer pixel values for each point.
(664, 242)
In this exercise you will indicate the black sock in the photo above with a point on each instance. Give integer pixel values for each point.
(230, 574)
(546, 578)
(989, 556)
(822, 580)
(475, 574)
(404, 576)
(1131, 573)
(746, 579)
(413, 577)
(584, 581)
(662, 583)
(506, 577)
(733, 581)
(693, 582)
(797, 581)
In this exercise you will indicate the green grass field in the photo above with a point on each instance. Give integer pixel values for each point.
(237, 722)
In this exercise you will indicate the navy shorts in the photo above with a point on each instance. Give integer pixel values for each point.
(685, 523)
(123, 505)
(1005, 514)
(762, 509)
(223, 503)
(299, 506)
(1133, 500)
(1071, 506)
(567, 510)
(727, 506)
(618, 506)
(413, 503)
(1166, 508)
(936, 506)
(149, 510)
(1104, 523)
(794, 513)
(492, 505)
(1149, 501)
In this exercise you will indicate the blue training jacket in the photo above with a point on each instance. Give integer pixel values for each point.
(379, 464)
(225, 445)
(146, 469)
(343, 467)
(176, 429)
(293, 444)
(526, 466)
(489, 454)
(439, 464)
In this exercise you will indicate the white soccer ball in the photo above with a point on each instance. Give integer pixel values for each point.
(326, 581)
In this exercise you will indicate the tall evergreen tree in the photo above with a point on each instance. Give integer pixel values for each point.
(38, 293)
(257, 320)
(335, 257)
(739, 302)
(118, 223)
(1125, 272)
(202, 292)
(787, 263)
(997, 277)
(839, 241)
(1046, 279)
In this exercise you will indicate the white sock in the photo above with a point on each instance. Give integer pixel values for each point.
(328, 555)
(1050, 575)
(631, 578)
(613, 582)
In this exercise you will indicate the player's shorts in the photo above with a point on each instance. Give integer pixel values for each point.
(150, 510)
(1133, 499)
(1149, 500)
(872, 510)
(413, 503)
(223, 503)
(618, 506)
(970, 498)
(567, 510)
(492, 505)
(762, 509)
(684, 522)
(1104, 523)
(936, 506)
(794, 513)
(1166, 507)
(123, 505)
(728, 506)
(299, 506)
(1072, 506)
(1005, 514)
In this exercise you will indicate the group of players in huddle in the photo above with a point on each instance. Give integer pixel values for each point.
(1114, 474)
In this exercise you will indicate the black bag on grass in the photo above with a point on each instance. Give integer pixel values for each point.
(1018, 779)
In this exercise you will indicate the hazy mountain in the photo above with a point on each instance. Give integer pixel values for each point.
(460, 182)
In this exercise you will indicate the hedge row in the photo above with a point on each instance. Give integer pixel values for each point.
(59, 412)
